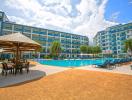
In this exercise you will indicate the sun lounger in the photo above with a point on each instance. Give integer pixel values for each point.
(103, 64)
(114, 63)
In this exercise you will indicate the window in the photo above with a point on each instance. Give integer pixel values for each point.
(118, 34)
(18, 28)
(57, 34)
(27, 29)
(119, 47)
(51, 33)
(43, 31)
(36, 30)
(119, 43)
(68, 36)
(1, 16)
(0, 24)
(7, 26)
(63, 34)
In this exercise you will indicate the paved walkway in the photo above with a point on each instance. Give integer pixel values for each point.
(36, 72)
(124, 69)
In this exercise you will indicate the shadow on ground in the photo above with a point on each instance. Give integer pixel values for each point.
(11, 80)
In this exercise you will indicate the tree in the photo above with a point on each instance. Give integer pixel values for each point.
(89, 50)
(94, 50)
(97, 49)
(128, 45)
(42, 49)
(83, 48)
(75, 50)
(55, 49)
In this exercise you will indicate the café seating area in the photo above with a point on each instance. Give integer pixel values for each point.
(16, 44)
(11, 67)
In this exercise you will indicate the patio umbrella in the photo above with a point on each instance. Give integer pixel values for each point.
(18, 42)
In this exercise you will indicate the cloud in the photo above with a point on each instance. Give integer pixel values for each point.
(58, 14)
(92, 17)
(42, 14)
(130, 1)
(114, 16)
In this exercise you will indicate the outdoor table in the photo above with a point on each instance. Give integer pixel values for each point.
(10, 64)
(20, 67)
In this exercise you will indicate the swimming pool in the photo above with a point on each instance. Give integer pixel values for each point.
(70, 63)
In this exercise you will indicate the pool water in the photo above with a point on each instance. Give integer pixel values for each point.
(70, 63)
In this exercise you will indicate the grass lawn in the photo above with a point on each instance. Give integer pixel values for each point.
(73, 84)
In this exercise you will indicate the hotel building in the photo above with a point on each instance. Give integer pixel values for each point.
(69, 42)
(111, 40)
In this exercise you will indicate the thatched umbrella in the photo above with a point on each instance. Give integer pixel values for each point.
(18, 42)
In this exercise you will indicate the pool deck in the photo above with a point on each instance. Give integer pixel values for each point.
(39, 71)
(123, 69)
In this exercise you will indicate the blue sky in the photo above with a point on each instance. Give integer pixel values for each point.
(121, 8)
(85, 17)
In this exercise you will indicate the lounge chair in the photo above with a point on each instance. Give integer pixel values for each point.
(118, 62)
(103, 65)
(113, 63)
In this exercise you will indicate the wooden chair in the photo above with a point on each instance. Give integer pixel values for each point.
(131, 67)
(26, 66)
(6, 69)
(18, 68)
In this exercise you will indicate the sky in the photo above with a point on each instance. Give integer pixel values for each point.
(83, 17)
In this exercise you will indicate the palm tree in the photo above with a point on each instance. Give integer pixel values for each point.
(128, 45)
(55, 49)
(42, 50)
